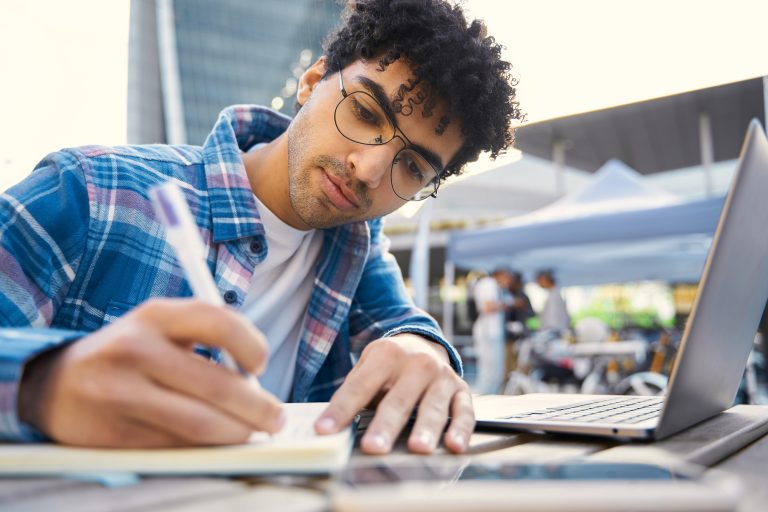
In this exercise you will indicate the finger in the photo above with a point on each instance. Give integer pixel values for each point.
(189, 321)
(176, 369)
(396, 407)
(185, 418)
(432, 416)
(361, 386)
(462, 425)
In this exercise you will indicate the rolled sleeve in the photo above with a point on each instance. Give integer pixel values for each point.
(382, 306)
(18, 346)
(434, 336)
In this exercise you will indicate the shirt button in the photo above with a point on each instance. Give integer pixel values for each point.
(255, 246)
(230, 296)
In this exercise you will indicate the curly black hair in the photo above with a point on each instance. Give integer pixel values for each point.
(451, 60)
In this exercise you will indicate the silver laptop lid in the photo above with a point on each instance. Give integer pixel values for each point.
(732, 294)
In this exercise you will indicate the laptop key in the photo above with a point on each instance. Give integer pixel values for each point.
(594, 410)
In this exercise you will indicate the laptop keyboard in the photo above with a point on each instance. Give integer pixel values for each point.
(622, 409)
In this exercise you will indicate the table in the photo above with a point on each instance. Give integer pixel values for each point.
(736, 441)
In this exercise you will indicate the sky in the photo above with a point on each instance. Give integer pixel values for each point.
(65, 77)
(64, 64)
(573, 56)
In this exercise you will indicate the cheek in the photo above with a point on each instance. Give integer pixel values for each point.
(384, 201)
(310, 135)
(299, 139)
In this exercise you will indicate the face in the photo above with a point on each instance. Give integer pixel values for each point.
(504, 279)
(333, 180)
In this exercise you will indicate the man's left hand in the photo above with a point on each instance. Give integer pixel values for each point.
(400, 373)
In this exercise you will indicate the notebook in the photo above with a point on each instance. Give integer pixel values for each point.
(717, 339)
(294, 450)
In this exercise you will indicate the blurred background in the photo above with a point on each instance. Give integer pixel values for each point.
(635, 116)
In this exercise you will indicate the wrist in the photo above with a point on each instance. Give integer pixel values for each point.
(415, 343)
(32, 386)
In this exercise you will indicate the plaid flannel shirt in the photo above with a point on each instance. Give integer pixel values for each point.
(80, 246)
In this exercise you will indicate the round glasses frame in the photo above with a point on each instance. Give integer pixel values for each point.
(428, 191)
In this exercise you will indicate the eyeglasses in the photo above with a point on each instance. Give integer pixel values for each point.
(360, 118)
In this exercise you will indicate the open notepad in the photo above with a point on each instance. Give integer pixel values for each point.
(294, 450)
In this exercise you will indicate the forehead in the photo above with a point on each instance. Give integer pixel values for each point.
(408, 101)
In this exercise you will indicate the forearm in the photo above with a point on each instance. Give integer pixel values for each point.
(382, 308)
(44, 220)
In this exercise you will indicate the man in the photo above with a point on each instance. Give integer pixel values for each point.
(518, 311)
(405, 94)
(491, 299)
(554, 315)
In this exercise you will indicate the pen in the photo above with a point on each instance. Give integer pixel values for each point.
(181, 232)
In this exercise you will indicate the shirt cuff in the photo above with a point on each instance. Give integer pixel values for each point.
(17, 347)
(434, 336)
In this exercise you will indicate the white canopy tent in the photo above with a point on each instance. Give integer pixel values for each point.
(511, 185)
(618, 228)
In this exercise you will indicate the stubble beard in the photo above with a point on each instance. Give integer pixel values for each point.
(313, 211)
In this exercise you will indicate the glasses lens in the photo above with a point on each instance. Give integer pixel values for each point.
(361, 119)
(413, 178)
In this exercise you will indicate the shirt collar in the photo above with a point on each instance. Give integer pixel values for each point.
(233, 208)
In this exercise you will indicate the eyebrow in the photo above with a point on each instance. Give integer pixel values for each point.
(377, 91)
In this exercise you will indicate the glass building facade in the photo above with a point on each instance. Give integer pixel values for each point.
(189, 59)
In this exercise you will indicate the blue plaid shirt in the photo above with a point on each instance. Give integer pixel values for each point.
(80, 246)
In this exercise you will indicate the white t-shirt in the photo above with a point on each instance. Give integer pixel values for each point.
(488, 336)
(555, 315)
(278, 296)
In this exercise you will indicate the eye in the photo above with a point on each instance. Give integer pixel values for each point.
(411, 167)
(363, 113)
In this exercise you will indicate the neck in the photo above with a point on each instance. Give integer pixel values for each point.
(267, 170)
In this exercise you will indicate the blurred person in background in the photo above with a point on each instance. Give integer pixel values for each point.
(98, 335)
(518, 311)
(503, 309)
(473, 276)
(492, 300)
(554, 314)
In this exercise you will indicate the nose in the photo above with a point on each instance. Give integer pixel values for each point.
(371, 164)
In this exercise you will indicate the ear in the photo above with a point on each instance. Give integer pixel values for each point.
(309, 80)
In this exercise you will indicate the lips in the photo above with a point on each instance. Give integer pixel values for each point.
(340, 196)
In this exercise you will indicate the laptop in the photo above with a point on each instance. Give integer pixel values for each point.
(715, 345)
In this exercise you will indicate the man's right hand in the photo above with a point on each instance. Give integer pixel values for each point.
(138, 383)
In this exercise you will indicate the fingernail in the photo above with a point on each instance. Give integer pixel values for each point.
(325, 424)
(378, 442)
(424, 439)
(458, 439)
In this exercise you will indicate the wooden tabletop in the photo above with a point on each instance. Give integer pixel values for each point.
(734, 442)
